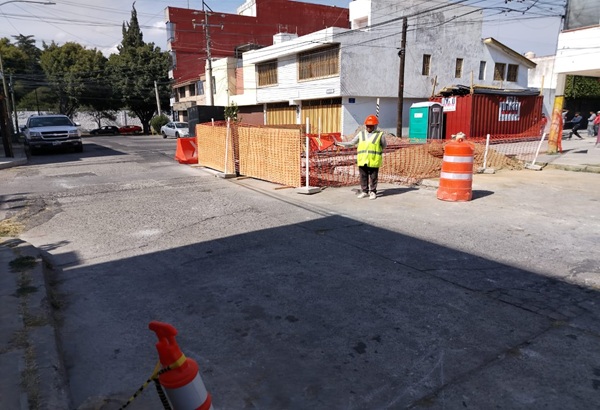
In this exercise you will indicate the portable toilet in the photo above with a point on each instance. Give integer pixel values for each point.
(426, 121)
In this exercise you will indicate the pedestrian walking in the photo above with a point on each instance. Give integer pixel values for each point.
(369, 156)
(576, 121)
(543, 123)
(590, 124)
(597, 128)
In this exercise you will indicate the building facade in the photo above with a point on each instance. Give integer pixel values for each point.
(194, 35)
(335, 77)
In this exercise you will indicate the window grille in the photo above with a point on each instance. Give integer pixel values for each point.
(320, 63)
(267, 73)
(513, 73)
(426, 64)
(499, 70)
(459, 68)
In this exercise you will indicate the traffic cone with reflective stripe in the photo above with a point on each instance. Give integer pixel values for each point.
(179, 376)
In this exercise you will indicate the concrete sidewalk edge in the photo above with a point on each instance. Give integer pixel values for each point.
(47, 387)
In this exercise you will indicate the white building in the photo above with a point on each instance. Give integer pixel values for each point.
(543, 78)
(336, 76)
(577, 53)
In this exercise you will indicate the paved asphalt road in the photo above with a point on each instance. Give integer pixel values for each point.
(325, 301)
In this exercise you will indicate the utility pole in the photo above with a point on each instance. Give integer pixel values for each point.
(12, 96)
(157, 98)
(402, 55)
(209, 88)
(7, 101)
(208, 74)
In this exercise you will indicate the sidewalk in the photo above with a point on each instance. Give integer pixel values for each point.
(577, 155)
(19, 159)
(33, 374)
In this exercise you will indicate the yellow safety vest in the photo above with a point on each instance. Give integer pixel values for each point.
(369, 150)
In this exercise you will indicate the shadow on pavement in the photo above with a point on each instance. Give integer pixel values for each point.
(337, 314)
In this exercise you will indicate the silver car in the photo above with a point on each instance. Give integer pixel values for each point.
(51, 131)
(175, 129)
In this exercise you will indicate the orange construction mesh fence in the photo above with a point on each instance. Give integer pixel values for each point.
(278, 155)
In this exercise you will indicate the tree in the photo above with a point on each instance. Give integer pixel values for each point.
(74, 74)
(582, 87)
(133, 72)
(29, 81)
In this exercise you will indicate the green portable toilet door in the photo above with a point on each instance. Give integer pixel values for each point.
(418, 128)
(426, 122)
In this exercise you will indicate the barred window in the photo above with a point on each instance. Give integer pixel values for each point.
(513, 73)
(499, 70)
(426, 64)
(459, 68)
(267, 73)
(323, 62)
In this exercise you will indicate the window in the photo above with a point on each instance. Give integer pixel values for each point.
(192, 90)
(170, 32)
(482, 65)
(267, 73)
(181, 92)
(323, 62)
(200, 87)
(173, 59)
(513, 73)
(426, 64)
(360, 23)
(499, 69)
(459, 68)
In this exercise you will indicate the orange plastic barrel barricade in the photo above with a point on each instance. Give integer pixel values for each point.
(456, 179)
(180, 379)
(186, 152)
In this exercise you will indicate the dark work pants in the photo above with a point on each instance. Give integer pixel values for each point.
(574, 131)
(368, 177)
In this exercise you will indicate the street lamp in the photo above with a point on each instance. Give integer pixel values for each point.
(5, 140)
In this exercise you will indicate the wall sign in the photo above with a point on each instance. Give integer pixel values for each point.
(510, 109)
(449, 104)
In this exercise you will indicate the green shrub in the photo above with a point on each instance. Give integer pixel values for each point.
(157, 122)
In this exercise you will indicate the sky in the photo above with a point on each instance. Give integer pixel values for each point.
(98, 23)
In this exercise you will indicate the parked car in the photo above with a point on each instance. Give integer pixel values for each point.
(51, 131)
(130, 129)
(105, 130)
(175, 129)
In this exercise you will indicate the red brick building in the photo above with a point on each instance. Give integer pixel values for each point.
(231, 34)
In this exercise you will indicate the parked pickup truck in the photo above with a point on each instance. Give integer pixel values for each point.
(51, 131)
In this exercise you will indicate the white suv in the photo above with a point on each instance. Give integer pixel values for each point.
(47, 131)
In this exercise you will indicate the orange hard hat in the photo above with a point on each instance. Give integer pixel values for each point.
(371, 120)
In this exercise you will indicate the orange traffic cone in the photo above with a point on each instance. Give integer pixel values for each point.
(179, 376)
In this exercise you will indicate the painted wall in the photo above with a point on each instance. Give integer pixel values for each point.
(369, 62)
(543, 76)
(228, 31)
(578, 52)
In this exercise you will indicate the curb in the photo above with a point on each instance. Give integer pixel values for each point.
(48, 387)
(13, 163)
(575, 168)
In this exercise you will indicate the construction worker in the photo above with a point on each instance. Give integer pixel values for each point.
(369, 155)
